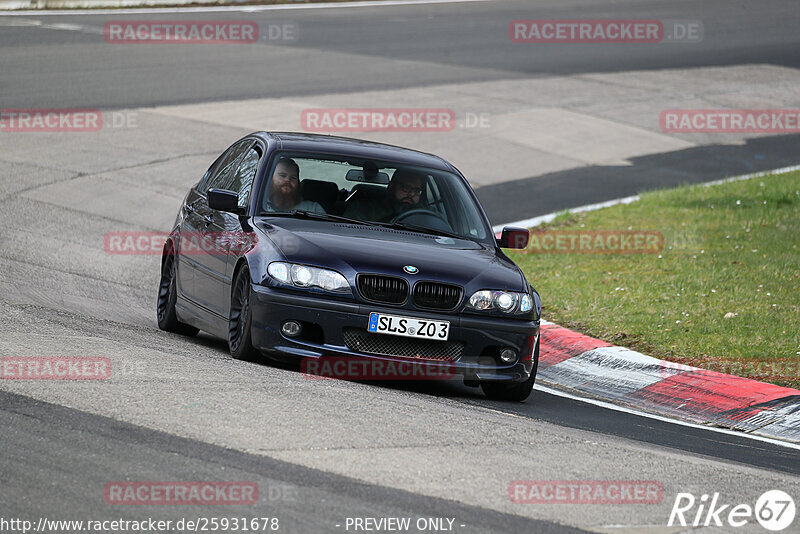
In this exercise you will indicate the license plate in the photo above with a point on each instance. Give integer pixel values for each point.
(408, 326)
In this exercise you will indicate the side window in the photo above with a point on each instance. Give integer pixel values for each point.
(202, 184)
(242, 180)
(223, 169)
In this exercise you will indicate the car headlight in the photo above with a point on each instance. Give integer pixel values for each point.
(505, 301)
(305, 276)
(302, 276)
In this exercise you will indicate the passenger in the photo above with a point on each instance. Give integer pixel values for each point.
(403, 194)
(284, 190)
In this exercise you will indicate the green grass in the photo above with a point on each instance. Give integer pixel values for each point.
(732, 248)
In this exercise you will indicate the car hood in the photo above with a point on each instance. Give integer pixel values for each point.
(352, 249)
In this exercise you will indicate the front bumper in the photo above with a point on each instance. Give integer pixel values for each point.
(326, 319)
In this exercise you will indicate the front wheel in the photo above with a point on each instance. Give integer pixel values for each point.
(167, 295)
(514, 392)
(239, 340)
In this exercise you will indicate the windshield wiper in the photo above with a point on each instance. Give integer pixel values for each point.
(317, 215)
(421, 229)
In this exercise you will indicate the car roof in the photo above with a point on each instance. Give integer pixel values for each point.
(346, 146)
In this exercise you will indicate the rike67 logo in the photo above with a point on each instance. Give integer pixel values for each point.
(774, 510)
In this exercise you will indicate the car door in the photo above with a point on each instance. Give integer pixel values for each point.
(188, 221)
(230, 225)
(201, 246)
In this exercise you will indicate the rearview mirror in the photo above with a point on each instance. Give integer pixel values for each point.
(224, 200)
(357, 175)
(516, 238)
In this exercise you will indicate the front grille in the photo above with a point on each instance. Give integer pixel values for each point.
(437, 296)
(386, 289)
(401, 347)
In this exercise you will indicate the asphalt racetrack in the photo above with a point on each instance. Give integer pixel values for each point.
(564, 125)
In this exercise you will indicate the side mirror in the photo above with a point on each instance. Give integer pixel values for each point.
(516, 238)
(224, 200)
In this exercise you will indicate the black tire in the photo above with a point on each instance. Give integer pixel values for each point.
(514, 392)
(240, 342)
(167, 295)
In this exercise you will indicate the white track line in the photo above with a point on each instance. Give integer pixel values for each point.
(617, 408)
(541, 219)
(228, 9)
(782, 170)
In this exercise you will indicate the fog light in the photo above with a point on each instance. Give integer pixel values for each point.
(291, 328)
(508, 355)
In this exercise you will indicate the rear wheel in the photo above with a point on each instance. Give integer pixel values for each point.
(167, 295)
(239, 339)
(513, 392)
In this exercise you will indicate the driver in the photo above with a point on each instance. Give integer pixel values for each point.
(403, 194)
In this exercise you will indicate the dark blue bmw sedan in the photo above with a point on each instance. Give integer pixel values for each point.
(308, 248)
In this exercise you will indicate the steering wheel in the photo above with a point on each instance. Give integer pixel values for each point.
(427, 218)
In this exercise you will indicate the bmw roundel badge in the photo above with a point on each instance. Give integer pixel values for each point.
(410, 269)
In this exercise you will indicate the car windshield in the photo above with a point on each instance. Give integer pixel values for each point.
(372, 192)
